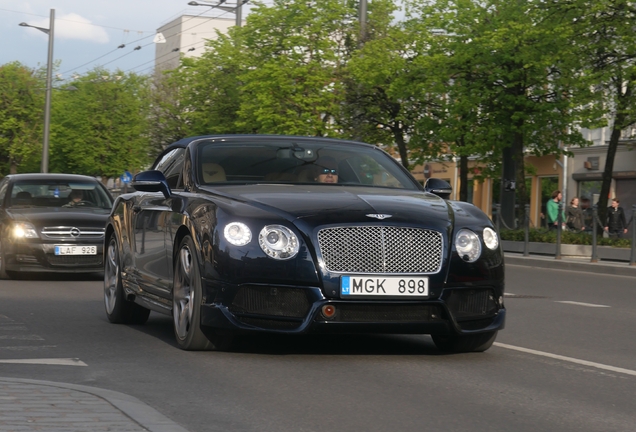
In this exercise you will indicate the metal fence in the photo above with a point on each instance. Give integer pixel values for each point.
(597, 226)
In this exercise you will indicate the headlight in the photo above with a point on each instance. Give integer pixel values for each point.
(237, 233)
(24, 230)
(468, 245)
(490, 238)
(278, 242)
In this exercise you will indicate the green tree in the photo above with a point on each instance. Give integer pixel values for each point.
(101, 128)
(21, 115)
(511, 72)
(606, 45)
(295, 52)
(167, 112)
(209, 88)
(388, 91)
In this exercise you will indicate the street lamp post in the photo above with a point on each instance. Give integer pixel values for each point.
(228, 8)
(49, 87)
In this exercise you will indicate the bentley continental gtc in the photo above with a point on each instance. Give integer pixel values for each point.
(252, 233)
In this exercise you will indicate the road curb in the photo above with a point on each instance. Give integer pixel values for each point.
(602, 267)
(136, 410)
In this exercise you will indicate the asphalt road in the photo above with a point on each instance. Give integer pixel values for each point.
(565, 362)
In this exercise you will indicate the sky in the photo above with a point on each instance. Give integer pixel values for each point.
(88, 33)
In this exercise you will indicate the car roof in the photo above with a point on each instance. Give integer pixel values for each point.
(185, 141)
(49, 176)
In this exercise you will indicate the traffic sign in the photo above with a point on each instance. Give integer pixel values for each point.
(126, 177)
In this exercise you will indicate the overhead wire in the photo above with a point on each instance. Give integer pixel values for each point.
(129, 43)
(184, 30)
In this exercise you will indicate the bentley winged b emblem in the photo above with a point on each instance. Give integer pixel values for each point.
(379, 216)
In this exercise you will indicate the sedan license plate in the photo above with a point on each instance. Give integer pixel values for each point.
(383, 286)
(75, 250)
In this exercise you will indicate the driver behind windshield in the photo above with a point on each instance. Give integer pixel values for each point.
(327, 170)
(76, 196)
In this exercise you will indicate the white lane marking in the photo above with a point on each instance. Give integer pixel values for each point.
(567, 359)
(21, 337)
(48, 361)
(26, 347)
(582, 304)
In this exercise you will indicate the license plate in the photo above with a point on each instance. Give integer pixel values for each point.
(383, 286)
(75, 250)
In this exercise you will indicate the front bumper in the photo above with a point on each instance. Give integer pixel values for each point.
(297, 310)
(35, 256)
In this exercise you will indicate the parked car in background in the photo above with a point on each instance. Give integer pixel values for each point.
(52, 223)
(254, 233)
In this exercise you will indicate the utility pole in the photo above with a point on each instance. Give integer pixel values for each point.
(239, 12)
(49, 88)
(363, 19)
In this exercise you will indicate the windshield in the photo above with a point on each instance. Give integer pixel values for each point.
(298, 162)
(59, 193)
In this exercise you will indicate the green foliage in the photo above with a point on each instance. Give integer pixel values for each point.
(100, 129)
(567, 237)
(294, 53)
(21, 113)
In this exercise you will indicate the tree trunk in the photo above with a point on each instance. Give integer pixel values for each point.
(463, 178)
(521, 191)
(623, 96)
(401, 144)
(609, 169)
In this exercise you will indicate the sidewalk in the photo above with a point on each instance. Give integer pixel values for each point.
(569, 263)
(44, 406)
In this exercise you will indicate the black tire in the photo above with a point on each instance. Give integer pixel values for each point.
(118, 309)
(186, 303)
(3, 265)
(465, 343)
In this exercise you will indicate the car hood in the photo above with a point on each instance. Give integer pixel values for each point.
(58, 216)
(322, 205)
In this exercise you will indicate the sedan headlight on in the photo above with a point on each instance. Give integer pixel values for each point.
(278, 242)
(468, 245)
(490, 238)
(237, 233)
(24, 230)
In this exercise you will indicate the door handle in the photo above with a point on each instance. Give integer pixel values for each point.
(136, 209)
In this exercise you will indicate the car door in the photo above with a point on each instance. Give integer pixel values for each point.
(150, 221)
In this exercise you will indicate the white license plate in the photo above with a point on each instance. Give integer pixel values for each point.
(75, 250)
(383, 286)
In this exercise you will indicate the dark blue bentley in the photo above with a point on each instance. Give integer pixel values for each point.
(254, 233)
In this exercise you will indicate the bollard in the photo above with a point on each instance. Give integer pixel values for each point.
(632, 259)
(594, 228)
(559, 228)
(526, 241)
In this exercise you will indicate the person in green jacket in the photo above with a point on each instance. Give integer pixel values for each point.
(552, 208)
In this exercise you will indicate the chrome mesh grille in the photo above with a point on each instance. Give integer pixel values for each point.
(73, 233)
(381, 249)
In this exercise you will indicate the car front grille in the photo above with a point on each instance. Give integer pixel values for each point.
(73, 233)
(74, 260)
(271, 301)
(386, 313)
(381, 249)
(471, 304)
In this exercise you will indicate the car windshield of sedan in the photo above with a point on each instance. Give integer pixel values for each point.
(298, 162)
(59, 193)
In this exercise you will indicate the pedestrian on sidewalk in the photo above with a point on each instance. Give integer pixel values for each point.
(616, 224)
(552, 209)
(575, 221)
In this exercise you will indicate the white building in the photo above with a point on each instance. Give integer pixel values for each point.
(186, 35)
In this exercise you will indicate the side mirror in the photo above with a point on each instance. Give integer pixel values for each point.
(151, 181)
(438, 187)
